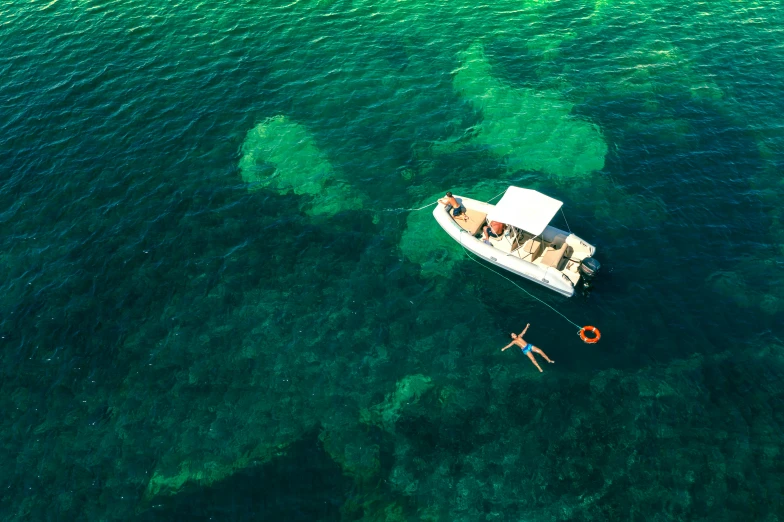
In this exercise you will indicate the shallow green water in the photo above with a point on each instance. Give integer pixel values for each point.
(208, 311)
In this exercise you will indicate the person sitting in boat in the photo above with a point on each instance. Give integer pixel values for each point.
(494, 230)
(454, 206)
(527, 348)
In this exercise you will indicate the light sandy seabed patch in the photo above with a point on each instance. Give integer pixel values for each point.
(533, 130)
(281, 155)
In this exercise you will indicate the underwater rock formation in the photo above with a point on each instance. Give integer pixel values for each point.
(626, 439)
(408, 390)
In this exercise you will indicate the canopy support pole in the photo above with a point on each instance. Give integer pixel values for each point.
(567, 223)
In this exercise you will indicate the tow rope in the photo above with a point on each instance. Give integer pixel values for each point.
(580, 330)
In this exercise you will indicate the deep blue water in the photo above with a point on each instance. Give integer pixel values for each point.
(209, 310)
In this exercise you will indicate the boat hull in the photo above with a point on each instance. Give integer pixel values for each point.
(546, 276)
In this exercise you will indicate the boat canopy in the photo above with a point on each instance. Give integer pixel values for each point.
(526, 209)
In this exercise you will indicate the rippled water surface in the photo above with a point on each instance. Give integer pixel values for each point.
(213, 309)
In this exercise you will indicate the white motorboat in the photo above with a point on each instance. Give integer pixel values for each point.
(529, 246)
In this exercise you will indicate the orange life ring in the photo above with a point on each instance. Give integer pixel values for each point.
(593, 330)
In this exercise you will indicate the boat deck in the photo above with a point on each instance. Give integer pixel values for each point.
(475, 221)
(542, 262)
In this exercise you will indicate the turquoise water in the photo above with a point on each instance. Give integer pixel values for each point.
(207, 311)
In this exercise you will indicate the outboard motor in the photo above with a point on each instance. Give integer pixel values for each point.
(588, 269)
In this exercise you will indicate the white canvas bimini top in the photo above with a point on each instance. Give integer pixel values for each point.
(526, 209)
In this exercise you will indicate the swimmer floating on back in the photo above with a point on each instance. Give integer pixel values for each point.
(527, 348)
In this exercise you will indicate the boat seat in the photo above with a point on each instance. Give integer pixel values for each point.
(504, 243)
(475, 221)
(553, 257)
(531, 249)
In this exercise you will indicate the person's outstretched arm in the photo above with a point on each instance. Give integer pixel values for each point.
(526, 329)
(507, 346)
